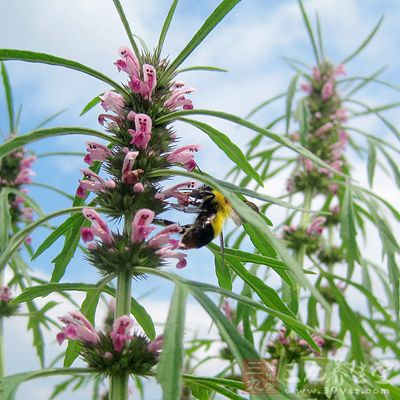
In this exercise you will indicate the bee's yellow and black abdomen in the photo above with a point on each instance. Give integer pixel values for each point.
(222, 214)
(209, 222)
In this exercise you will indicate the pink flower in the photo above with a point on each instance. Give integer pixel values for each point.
(142, 133)
(115, 121)
(87, 234)
(316, 227)
(156, 345)
(99, 227)
(24, 177)
(27, 162)
(185, 156)
(165, 246)
(140, 225)
(28, 240)
(128, 176)
(138, 187)
(146, 87)
(333, 188)
(341, 115)
(316, 73)
(93, 183)
(282, 337)
(324, 128)
(96, 152)
(175, 192)
(340, 70)
(308, 165)
(327, 91)
(114, 102)
(178, 99)
(120, 333)
(27, 213)
(77, 327)
(5, 294)
(226, 308)
(129, 63)
(306, 87)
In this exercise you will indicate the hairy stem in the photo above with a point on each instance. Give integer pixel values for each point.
(119, 384)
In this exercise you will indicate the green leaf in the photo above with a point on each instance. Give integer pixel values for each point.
(228, 147)
(364, 81)
(309, 31)
(165, 28)
(364, 43)
(53, 189)
(19, 141)
(371, 163)
(212, 21)
(265, 132)
(49, 119)
(350, 319)
(92, 103)
(264, 104)
(319, 33)
(5, 218)
(394, 167)
(128, 31)
(289, 101)
(304, 118)
(31, 56)
(67, 253)
(9, 98)
(348, 231)
(222, 272)
(9, 385)
(18, 238)
(201, 68)
(169, 372)
(58, 232)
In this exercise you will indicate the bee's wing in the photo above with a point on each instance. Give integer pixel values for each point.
(235, 218)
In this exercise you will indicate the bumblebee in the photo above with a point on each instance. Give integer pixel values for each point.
(213, 210)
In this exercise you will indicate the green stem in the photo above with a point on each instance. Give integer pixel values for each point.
(2, 355)
(119, 384)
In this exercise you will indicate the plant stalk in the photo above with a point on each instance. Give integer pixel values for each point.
(119, 384)
(2, 355)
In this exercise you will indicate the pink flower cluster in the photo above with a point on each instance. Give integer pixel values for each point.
(162, 241)
(77, 327)
(165, 246)
(5, 294)
(180, 192)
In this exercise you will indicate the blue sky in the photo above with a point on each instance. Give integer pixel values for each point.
(250, 43)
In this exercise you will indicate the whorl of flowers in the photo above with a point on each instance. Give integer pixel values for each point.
(292, 347)
(7, 309)
(112, 352)
(140, 145)
(325, 136)
(16, 172)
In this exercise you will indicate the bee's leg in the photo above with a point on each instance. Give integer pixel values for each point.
(163, 222)
(187, 210)
(222, 245)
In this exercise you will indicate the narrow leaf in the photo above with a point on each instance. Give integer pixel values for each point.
(170, 366)
(31, 56)
(166, 26)
(9, 98)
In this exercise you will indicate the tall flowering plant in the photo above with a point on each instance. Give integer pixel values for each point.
(124, 181)
(330, 244)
